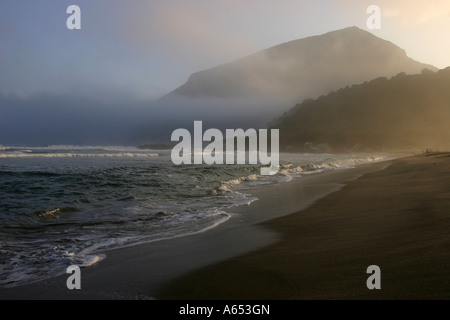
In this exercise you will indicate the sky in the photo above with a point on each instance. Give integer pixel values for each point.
(142, 50)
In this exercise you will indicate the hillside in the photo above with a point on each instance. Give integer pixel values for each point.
(406, 112)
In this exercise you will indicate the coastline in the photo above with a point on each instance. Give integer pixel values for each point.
(144, 271)
(397, 218)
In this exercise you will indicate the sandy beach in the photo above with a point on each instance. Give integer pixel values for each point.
(312, 238)
(397, 218)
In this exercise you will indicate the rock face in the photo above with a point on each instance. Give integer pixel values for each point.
(404, 113)
(304, 68)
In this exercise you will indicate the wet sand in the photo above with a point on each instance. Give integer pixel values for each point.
(397, 218)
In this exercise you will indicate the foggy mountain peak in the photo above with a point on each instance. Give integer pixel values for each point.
(304, 68)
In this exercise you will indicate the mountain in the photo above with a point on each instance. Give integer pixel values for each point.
(304, 68)
(252, 91)
(403, 113)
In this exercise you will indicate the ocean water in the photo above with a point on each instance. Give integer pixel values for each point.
(64, 205)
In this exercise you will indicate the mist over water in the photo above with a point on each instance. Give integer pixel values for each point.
(46, 120)
(68, 120)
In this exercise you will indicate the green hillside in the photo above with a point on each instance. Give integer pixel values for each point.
(406, 112)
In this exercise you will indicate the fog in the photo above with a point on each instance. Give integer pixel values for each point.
(247, 93)
(66, 119)
(71, 119)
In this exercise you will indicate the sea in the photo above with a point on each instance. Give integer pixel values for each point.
(68, 205)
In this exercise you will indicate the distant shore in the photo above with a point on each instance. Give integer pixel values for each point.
(397, 218)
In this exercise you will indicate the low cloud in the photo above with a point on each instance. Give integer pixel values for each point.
(67, 119)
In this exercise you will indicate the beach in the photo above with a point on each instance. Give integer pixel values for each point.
(311, 238)
(176, 151)
(397, 218)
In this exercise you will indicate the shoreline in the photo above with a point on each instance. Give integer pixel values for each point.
(396, 218)
(142, 271)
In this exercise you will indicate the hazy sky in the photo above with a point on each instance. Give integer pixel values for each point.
(144, 49)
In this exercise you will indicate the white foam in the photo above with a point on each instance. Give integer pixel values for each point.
(91, 260)
(252, 177)
(50, 213)
(79, 148)
(76, 155)
(233, 181)
(330, 164)
(225, 189)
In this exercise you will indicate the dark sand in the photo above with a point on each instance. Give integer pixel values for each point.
(397, 218)
(330, 228)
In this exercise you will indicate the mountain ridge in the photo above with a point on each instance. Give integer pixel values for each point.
(303, 68)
